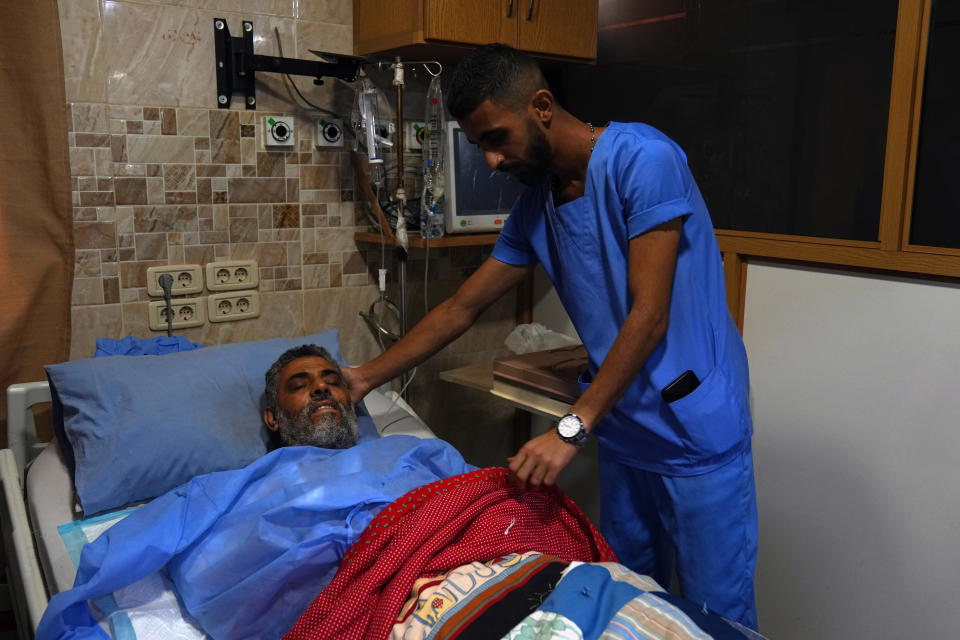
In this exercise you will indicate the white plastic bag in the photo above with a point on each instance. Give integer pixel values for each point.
(536, 337)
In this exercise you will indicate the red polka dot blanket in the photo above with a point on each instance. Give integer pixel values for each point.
(473, 517)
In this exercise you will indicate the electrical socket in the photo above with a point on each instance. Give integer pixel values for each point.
(187, 312)
(187, 278)
(228, 275)
(233, 305)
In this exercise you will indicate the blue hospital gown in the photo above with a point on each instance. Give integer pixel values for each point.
(249, 549)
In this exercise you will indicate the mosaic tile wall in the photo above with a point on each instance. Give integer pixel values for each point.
(160, 176)
(155, 186)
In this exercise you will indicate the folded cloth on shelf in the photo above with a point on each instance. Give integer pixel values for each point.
(475, 517)
(248, 549)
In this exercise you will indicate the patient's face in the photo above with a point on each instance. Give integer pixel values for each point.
(313, 406)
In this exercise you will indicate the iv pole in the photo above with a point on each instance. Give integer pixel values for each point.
(402, 240)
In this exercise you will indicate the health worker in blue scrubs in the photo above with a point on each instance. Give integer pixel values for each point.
(614, 216)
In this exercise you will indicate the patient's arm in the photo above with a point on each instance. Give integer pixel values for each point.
(438, 328)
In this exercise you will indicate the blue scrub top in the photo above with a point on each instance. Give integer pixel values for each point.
(637, 179)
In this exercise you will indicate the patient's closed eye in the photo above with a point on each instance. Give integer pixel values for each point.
(297, 382)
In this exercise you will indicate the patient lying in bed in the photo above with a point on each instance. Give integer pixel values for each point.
(380, 528)
(307, 401)
(249, 549)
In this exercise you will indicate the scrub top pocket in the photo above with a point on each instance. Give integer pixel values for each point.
(704, 416)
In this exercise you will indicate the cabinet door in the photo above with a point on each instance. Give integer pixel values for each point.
(379, 25)
(472, 21)
(559, 27)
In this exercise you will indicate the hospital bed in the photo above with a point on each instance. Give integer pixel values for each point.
(38, 496)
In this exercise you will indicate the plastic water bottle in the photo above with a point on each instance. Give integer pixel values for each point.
(431, 205)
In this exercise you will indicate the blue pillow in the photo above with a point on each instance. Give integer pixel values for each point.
(138, 426)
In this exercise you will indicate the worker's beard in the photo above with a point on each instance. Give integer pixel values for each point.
(537, 160)
(325, 430)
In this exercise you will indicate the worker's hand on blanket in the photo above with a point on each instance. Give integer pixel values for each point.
(540, 460)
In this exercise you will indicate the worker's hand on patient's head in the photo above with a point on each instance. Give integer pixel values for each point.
(355, 383)
(540, 460)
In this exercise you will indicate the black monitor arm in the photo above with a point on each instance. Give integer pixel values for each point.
(236, 64)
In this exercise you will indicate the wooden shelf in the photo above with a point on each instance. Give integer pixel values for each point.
(416, 242)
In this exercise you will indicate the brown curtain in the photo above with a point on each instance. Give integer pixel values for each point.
(36, 233)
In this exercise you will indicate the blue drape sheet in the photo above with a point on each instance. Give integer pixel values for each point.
(133, 346)
(249, 549)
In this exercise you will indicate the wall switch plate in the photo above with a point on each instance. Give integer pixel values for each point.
(278, 132)
(329, 132)
(187, 278)
(413, 135)
(187, 312)
(228, 275)
(233, 305)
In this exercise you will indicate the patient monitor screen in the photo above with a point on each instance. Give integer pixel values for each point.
(480, 191)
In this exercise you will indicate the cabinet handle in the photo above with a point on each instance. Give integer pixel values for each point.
(510, 9)
(530, 11)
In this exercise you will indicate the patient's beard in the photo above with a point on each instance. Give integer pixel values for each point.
(327, 431)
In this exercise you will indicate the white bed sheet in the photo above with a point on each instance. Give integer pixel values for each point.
(51, 501)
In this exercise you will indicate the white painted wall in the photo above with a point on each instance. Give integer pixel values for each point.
(855, 395)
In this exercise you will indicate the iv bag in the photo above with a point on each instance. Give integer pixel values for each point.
(433, 136)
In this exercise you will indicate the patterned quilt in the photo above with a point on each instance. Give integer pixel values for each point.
(605, 600)
(474, 557)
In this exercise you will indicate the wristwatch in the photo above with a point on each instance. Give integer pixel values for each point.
(571, 430)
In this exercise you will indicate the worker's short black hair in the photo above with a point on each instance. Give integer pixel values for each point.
(497, 73)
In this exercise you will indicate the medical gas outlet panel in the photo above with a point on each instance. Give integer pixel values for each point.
(278, 132)
(329, 132)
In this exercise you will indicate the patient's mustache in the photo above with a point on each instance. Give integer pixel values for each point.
(322, 396)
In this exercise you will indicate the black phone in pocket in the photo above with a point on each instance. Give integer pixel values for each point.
(681, 387)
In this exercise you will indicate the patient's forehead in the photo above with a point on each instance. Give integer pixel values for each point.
(314, 365)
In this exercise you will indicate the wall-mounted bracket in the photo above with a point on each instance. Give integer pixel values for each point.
(236, 64)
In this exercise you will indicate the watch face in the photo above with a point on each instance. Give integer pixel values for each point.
(568, 426)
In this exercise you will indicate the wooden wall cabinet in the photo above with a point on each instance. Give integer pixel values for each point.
(563, 28)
